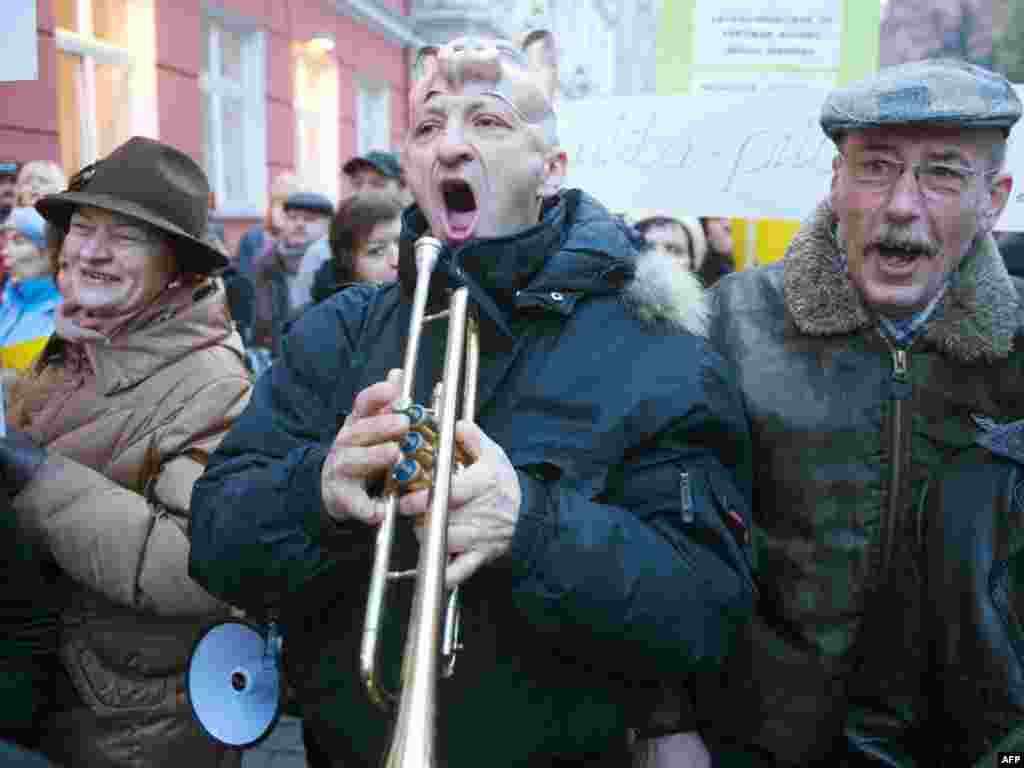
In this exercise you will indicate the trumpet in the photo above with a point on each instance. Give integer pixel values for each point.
(413, 739)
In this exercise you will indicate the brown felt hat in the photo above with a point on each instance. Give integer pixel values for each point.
(153, 183)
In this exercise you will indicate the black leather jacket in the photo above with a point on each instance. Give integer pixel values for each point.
(975, 598)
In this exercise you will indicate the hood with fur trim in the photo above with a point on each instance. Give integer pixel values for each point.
(977, 319)
(662, 294)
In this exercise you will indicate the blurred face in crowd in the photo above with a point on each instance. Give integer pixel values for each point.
(364, 177)
(8, 191)
(478, 159)
(672, 240)
(376, 260)
(910, 201)
(719, 234)
(303, 226)
(114, 264)
(22, 258)
(285, 185)
(38, 179)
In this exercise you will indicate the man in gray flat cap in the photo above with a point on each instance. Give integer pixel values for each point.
(865, 358)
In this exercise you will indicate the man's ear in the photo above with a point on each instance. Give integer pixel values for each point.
(554, 173)
(998, 197)
(835, 180)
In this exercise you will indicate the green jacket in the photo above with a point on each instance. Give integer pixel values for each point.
(846, 429)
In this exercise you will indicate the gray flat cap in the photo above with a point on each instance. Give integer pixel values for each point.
(309, 201)
(934, 91)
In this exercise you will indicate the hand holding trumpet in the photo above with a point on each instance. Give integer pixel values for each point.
(485, 497)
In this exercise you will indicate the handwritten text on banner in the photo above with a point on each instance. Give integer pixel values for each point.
(760, 156)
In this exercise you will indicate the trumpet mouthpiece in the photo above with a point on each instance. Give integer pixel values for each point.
(427, 249)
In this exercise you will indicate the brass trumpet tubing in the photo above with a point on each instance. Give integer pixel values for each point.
(413, 742)
(427, 252)
(452, 642)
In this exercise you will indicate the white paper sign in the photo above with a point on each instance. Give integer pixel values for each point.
(765, 44)
(19, 41)
(774, 32)
(761, 156)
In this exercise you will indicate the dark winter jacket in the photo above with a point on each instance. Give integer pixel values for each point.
(618, 573)
(846, 430)
(30, 605)
(975, 593)
(325, 282)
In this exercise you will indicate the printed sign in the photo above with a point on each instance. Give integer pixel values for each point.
(755, 46)
(765, 46)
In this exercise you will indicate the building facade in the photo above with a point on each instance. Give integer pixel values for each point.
(253, 88)
(250, 88)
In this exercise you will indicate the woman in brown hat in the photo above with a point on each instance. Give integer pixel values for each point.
(107, 434)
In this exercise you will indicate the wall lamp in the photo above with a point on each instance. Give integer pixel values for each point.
(322, 42)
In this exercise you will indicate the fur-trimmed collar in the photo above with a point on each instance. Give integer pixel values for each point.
(663, 295)
(977, 318)
(577, 250)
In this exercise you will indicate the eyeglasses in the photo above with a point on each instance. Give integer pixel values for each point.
(937, 181)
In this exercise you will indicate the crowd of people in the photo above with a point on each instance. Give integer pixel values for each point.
(766, 517)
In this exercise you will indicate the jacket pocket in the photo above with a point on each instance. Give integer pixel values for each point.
(716, 514)
(109, 691)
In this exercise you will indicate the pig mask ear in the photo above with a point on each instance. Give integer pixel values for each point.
(542, 58)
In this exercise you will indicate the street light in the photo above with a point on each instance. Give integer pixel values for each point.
(323, 42)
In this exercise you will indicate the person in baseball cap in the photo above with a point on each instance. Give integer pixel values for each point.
(376, 170)
(862, 356)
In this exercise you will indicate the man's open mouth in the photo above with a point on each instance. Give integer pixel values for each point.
(460, 210)
(902, 255)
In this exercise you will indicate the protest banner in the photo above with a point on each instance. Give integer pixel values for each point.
(755, 157)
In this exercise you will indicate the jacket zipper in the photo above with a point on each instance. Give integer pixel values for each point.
(899, 392)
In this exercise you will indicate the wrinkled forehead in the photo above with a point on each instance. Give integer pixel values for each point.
(928, 137)
(101, 216)
(498, 64)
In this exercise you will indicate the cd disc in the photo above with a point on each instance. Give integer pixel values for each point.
(234, 683)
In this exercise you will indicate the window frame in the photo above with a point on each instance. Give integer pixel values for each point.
(367, 90)
(327, 119)
(252, 91)
(92, 51)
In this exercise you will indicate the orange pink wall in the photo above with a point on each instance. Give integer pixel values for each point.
(28, 110)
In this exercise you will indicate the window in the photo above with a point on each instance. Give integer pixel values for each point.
(233, 85)
(316, 121)
(373, 115)
(586, 33)
(106, 76)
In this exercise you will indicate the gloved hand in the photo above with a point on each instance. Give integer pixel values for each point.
(20, 458)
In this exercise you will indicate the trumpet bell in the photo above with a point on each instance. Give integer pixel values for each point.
(234, 683)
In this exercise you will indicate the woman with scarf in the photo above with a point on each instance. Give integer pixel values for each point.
(30, 296)
(107, 433)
